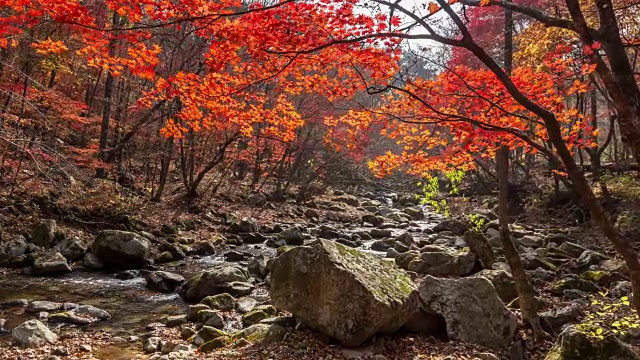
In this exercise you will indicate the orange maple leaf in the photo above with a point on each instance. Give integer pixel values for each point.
(485, 2)
(433, 8)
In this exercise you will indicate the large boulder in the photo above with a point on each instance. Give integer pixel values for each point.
(220, 279)
(441, 261)
(471, 309)
(344, 293)
(49, 263)
(573, 344)
(122, 249)
(33, 333)
(11, 249)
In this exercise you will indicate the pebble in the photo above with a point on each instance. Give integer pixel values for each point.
(86, 347)
(61, 351)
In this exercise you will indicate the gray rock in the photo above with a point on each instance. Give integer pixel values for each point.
(211, 318)
(193, 310)
(382, 245)
(258, 266)
(375, 220)
(92, 262)
(176, 320)
(555, 319)
(349, 200)
(33, 333)
(92, 312)
(152, 344)
(344, 293)
(530, 241)
(502, 282)
(50, 263)
(220, 279)
(13, 248)
(292, 236)
(122, 249)
(40, 305)
(442, 262)
(415, 213)
(471, 308)
(245, 225)
(222, 302)
(163, 281)
(380, 233)
(455, 226)
(246, 304)
(71, 248)
(3, 324)
(43, 233)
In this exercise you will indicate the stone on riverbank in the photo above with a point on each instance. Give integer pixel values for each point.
(33, 333)
(122, 249)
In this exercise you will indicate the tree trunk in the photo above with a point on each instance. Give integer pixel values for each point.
(101, 172)
(526, 293)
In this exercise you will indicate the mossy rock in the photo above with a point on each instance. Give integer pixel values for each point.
(602, 277)
(261, 333)
(572, 344)
(253, 317)
(222, 302)
(206, 334)
(193, 310)
(342, 292)
(283, 249)
(561, 285)
(216, 343)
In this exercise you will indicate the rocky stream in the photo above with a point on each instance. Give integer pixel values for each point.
(255, 283)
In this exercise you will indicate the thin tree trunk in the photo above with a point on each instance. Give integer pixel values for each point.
(526, 293)
(101, 172)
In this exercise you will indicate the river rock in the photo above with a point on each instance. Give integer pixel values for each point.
(380, 233)
(152, 344)
(91, 261)
(43, 233)
(33, 333)
(122, 249)
(222, 302)
(176, 251)
(258, 266)
(292, 236)
(453, 225)
(349, 200)
(262, 333)
(71, 248)
(415, 213)
(471, 308)
(572, 344)
(441, 261)
(220, 279)
(245, 225)
(49, 263)
(91, 311)
(11, 249)
(245, 304)
(41, 305)
(344, 293)
(163, 281)
(375, 220)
